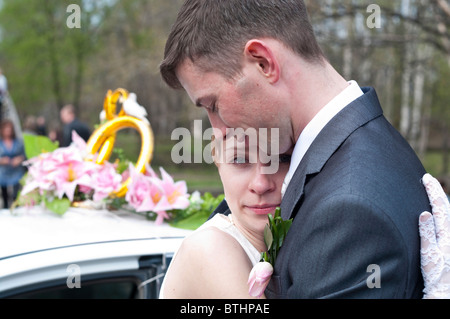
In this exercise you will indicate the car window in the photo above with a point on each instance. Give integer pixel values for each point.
(117, 288)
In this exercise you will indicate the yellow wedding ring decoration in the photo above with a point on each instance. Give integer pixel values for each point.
(103, 138)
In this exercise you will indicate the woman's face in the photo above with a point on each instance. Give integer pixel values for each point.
(7, 131)
(251, 195)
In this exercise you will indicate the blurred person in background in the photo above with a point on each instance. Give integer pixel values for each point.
(12, 155)
(29, 125)
(71, 123)
(41, 125)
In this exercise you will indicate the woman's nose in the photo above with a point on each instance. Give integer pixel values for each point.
(262, 183)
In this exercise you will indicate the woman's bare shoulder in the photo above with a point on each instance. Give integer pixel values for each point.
(210, 240)
(208, 262)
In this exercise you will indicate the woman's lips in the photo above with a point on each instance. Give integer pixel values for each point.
(263, 209)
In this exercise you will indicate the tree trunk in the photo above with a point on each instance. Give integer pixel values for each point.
(53, 57)
(405, 115)
(445, 149)
(78, 85)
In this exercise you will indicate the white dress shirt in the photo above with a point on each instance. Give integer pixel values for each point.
(310, 132)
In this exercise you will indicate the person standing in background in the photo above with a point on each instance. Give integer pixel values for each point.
(12, 155)
(71, 123)
(41, 126)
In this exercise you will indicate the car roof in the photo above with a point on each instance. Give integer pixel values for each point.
(33, 229)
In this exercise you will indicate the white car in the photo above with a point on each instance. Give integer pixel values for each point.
(84, 254)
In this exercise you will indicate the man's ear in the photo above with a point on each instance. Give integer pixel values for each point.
(258, 53)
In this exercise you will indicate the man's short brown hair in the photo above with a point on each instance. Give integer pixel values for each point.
(213, 33)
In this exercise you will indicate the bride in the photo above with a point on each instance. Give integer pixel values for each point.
(216, 260)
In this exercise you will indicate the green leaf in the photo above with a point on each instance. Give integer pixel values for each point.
(58, 206)
(36, 145)
(274, 234)
(278, 212)
(197, 213)
(268, 237)
(192, 222)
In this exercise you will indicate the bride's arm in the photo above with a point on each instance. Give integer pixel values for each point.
(209, 264)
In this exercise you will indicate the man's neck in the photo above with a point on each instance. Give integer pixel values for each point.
(317, 86)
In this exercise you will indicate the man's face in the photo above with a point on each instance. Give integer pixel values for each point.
(244, 102)
(66, 116)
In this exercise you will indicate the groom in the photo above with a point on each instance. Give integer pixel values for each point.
(354, 187)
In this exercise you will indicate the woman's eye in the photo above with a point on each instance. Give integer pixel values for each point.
(240, 160)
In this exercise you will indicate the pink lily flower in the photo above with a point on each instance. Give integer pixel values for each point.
(176, 196)
(59, 171)
(46, 169)
(70, 172)
(259, 278)
(78, 142)
(105, 180)
(142, 193)
(147, 192)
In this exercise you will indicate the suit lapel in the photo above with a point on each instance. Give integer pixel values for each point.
(356, 114)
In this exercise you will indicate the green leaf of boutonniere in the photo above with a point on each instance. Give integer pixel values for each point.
(268, 238)
(274, 234)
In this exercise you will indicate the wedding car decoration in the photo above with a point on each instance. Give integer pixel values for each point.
(81, 174)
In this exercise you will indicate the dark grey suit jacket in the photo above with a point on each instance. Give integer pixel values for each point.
(355, 198)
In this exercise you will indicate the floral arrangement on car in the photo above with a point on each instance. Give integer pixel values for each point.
(80, 175)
